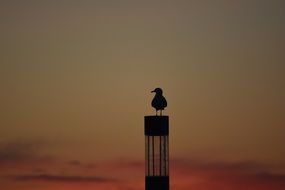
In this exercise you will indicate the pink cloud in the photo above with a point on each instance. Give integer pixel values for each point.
(203, 175)
(22, 167)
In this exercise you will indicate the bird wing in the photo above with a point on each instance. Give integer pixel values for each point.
(159, 102)
(164, 102)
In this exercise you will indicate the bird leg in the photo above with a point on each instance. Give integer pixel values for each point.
(160, 112)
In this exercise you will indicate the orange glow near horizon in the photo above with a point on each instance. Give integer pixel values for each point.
(129, 175)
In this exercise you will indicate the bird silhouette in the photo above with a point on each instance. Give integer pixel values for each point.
(158, 102)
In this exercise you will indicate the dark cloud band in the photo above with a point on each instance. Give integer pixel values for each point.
(60, 178)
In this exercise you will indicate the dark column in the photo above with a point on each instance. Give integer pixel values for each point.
(156, 152)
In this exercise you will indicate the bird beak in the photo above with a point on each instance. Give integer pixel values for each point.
(152, 91)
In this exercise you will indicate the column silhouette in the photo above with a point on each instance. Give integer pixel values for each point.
(156, 152)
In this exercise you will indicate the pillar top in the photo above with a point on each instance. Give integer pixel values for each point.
(156, 125)
(156, 116)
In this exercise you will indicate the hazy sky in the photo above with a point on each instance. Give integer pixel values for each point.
(75, 85)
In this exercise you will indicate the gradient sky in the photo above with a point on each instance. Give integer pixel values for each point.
(76, 76)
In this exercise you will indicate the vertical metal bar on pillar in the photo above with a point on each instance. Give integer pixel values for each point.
(160, 167)
(156, 132)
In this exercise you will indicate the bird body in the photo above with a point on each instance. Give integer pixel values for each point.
(159, 102)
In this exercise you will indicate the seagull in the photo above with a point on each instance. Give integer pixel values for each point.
(158, 102)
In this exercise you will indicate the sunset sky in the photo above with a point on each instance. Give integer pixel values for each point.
(75, 82)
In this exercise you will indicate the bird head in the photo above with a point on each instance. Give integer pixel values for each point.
(157, 91)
